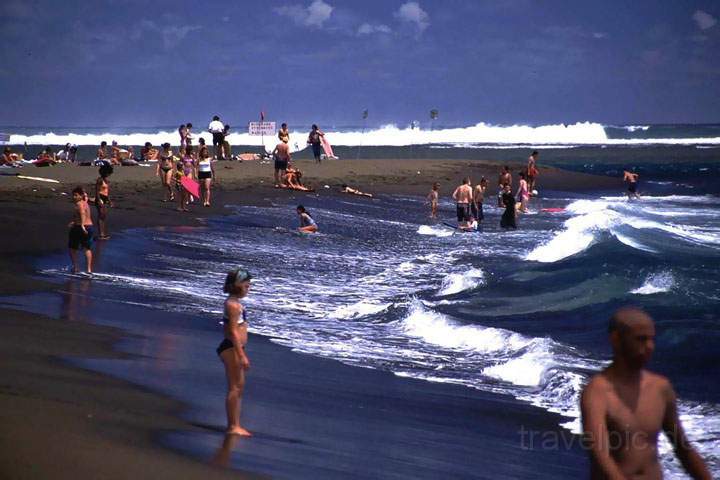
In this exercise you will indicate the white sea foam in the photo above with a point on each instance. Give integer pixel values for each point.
(359, 309)
(619, 218)
(528, 369)
(459, 282)
(585, 133)
(656, 283)
(438, 329)
(635, 128)
(434, 231)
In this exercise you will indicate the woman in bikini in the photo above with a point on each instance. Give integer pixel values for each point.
(102, 199)
(307, 224)
(188, 168)
(165, 171)
(232, 349)
(523, 194)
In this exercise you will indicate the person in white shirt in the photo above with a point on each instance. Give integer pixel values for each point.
(217, 129)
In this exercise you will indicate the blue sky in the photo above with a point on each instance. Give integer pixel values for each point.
(127, 62)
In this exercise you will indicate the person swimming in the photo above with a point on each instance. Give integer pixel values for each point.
(232, 349)
(307, 224)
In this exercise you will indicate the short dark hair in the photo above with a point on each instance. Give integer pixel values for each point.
(189, 125)
(105, 170)
(148, 144)
(535, 152)
(103, 143)
(314, 127)
(166, 145)
(283, 125)
(201, 141)
(216, 117)
(79, 190)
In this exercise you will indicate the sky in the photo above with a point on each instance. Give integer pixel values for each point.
(138, 63)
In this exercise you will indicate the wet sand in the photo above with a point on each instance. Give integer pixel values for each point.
(61, 421)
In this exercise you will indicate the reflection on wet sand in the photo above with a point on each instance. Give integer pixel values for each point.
(224, 452)
(75, 300)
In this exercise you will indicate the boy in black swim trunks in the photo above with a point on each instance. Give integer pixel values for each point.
(632, 179)
(81, 230)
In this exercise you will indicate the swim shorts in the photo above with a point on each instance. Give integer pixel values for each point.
(632, 188)
(477, 212)
(77, 238)
(280, 164)
(317, 149)
(463, 212)
(204, 175)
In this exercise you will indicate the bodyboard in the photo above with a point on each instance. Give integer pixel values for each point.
(191, 186)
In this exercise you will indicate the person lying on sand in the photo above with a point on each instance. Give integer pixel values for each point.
(352, 191)
(9, 158)
(46, 158)
(307, 224)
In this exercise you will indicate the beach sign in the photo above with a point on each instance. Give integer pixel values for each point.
(261, 128)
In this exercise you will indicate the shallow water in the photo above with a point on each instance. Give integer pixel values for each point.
(522, 313)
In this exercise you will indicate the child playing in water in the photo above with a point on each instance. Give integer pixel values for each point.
(307, 224)
(433, 199)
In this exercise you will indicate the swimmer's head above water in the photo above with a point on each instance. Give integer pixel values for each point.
(237, 282)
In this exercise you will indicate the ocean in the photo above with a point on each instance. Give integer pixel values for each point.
(521, 313)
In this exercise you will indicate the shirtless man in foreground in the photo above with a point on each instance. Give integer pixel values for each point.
(624, 407)
(463, 196)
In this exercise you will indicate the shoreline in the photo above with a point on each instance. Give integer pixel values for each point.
(28, 229)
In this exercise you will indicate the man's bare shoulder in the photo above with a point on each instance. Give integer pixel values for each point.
(657, 381)
(598, 384)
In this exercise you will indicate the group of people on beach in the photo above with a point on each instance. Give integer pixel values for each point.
(624, 407)
(469, 201)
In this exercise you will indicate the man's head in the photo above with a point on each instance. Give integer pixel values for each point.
(216, 118)
(103, 143)
(466, 180)
(535, 154)
(283, 126)
(506, 169)
(632, 335)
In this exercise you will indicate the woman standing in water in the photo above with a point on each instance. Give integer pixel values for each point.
(164, 171)
(508, 201)
(232, 348)
(307, 224)
(523, 194)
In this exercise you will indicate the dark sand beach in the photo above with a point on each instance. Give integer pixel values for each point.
(315, 418)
